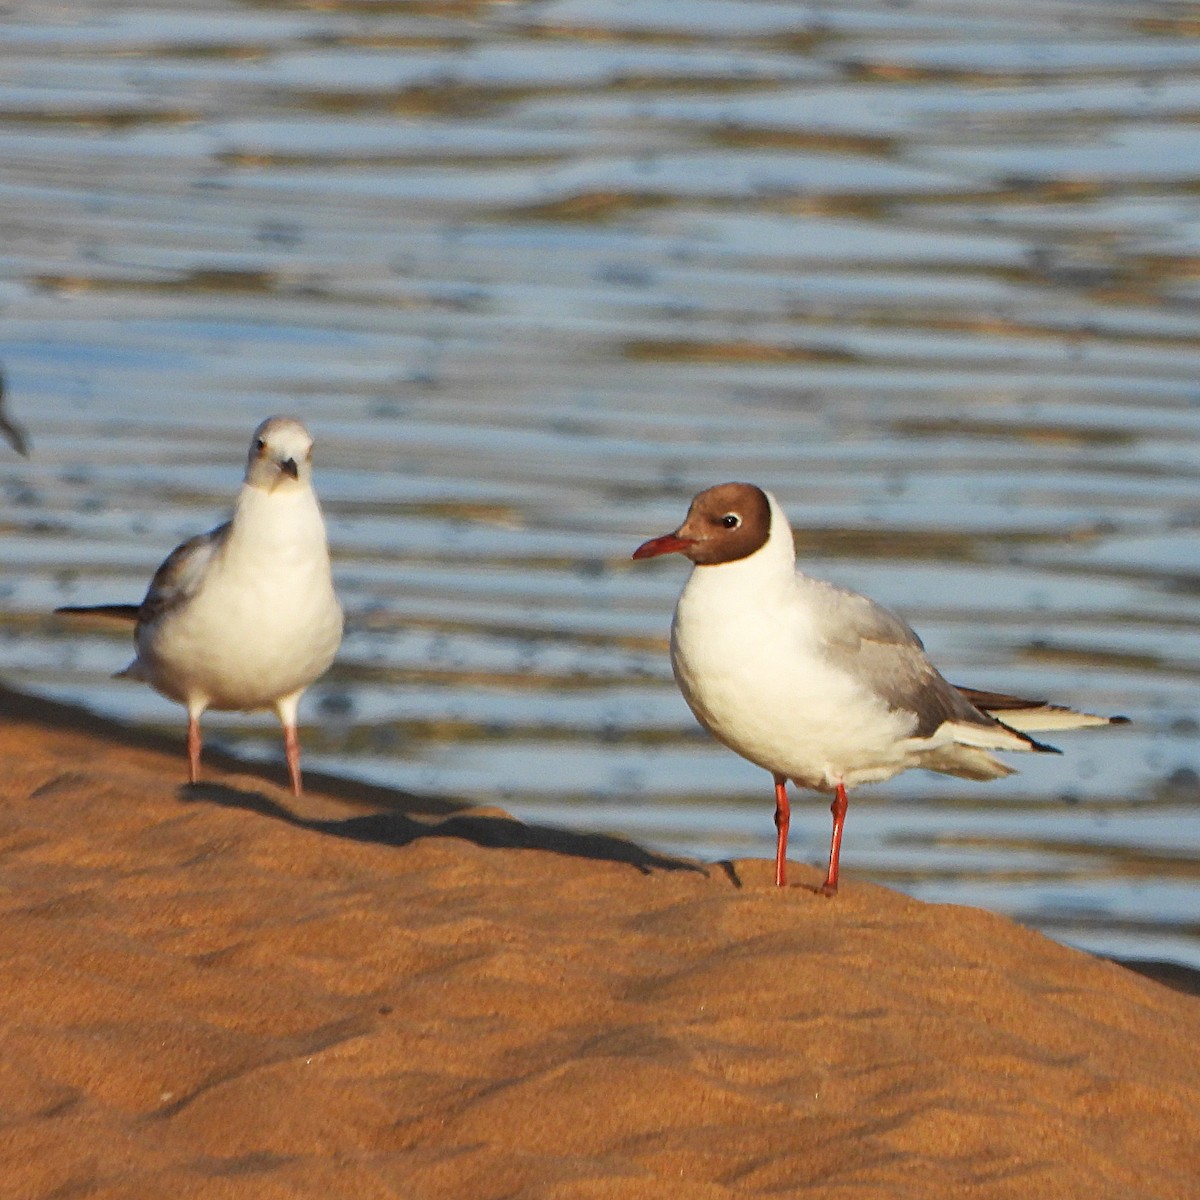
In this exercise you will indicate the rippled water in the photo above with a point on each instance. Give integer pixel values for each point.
(534, 273)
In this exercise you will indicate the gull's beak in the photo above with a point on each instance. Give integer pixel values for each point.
(669, 543)
(288, 467)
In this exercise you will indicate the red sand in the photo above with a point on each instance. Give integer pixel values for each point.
(220, 992)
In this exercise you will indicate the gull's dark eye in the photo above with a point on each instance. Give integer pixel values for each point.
(260, 447)
(731, 520)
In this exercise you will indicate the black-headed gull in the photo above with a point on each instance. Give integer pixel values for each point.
(817, 684)
(244, 617)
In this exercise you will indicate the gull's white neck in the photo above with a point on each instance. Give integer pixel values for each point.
(288, 519)
(747, 583)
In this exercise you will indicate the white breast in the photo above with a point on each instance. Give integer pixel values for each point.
(265, 621)
(748, 662)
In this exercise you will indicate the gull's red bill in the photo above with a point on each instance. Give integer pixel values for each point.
(669, 543)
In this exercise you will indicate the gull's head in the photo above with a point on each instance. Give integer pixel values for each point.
(724, 524)
(280, 455)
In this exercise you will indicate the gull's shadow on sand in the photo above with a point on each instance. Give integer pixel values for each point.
(396, 827)
(21, 707)
(392, 823)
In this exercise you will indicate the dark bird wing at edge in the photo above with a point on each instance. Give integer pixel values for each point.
(16, 437)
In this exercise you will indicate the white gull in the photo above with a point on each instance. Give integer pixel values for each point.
(244, 617)
(817, 684)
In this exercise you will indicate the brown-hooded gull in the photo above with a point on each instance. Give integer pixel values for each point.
(817, 684)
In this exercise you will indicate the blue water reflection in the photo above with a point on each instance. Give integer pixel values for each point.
(536, 273)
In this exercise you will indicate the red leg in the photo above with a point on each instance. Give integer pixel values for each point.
(193, 748)
(291, 744)
(838, 808)
(783, 816)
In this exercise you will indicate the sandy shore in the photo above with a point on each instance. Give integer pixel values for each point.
(218, 992)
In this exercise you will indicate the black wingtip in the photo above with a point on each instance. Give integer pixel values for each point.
(1119, 721)
(125, 612)
(1032, 743)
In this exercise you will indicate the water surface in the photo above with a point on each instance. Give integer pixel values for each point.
(534, 274)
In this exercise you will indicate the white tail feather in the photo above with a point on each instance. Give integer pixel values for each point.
(1048, 716)
(984, 737)
(967, 762)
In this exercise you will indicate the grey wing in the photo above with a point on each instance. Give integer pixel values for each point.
(181, 573)
(882, 652)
